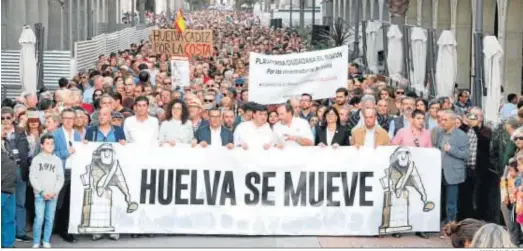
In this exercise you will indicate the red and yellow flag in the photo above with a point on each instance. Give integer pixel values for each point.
(179, 22)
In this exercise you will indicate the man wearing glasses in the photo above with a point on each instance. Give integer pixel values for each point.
(400, 92)
(16, 144)
(64, 138)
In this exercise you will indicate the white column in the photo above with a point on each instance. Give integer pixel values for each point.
(372, 6)
(96, 16)
(118, 11)
(435, 6)
(381, 5)
(419, 13)
(158, 8)
(364, 10)
(345, 11)
(453, 15)
(502, 32)
(334, 13)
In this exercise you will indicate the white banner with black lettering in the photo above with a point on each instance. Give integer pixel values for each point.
(274, 79)
(294, 191)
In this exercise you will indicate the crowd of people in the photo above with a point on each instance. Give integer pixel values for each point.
(130, 98)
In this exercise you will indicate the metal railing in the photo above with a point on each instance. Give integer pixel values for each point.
(66, 63)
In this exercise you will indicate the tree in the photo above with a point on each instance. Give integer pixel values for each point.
(397, 10)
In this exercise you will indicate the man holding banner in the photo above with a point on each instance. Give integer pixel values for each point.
(291, 130)
(255, 134)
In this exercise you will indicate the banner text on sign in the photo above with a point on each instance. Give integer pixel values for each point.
(276, 78)
(189, 43)
(295, 191)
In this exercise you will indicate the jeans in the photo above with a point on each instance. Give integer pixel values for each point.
(8, 220)
(21, 187)
(44, 210)
(452, 202)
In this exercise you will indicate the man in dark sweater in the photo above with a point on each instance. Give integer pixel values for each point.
(9, 168)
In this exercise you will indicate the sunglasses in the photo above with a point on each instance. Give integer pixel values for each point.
(6, 118)
(515, 138)
(208, 100)
(239, 85)
(400, 92)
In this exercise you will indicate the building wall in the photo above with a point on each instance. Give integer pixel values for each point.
(56, 20)
(513, 57)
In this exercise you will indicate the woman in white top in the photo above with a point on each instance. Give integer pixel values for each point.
(176, 129)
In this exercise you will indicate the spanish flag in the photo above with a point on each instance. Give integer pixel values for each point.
(179, 23)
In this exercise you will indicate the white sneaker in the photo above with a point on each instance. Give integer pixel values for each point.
(47, 245)
(36, 245)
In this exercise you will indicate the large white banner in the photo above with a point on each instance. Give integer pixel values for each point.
(274, 79)
(294, 191)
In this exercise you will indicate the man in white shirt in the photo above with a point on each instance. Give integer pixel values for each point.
(255, 133)
(141, 128)
(291, 130)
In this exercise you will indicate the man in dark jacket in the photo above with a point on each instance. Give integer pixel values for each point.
(16, 144)
(9, 168)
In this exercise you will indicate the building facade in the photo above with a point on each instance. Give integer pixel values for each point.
(502, 18)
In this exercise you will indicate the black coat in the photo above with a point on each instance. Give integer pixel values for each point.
(341, 136)
(8, 173)
(22, 145)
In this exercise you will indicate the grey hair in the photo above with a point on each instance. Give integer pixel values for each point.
(433, 102)
(451, 113)
(478, 111)
(369, 109)
(105, 95)
(28, 94)
(55, 117)
(97, 77)
(518, 131)
(491, 236)
(18, 107)
(513, 122)
(368, 98)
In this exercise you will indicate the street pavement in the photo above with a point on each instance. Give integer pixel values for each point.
(181, 241)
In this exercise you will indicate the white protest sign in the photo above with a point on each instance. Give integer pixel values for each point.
(180, 73)
(273, 79)
(215, 191)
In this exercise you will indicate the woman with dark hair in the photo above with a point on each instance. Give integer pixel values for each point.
(272, 118)
(176, 129)
(331, 132)
(97, 94)
(421, 104)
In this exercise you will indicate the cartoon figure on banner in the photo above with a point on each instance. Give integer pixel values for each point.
(101, 175)
(402, 173)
